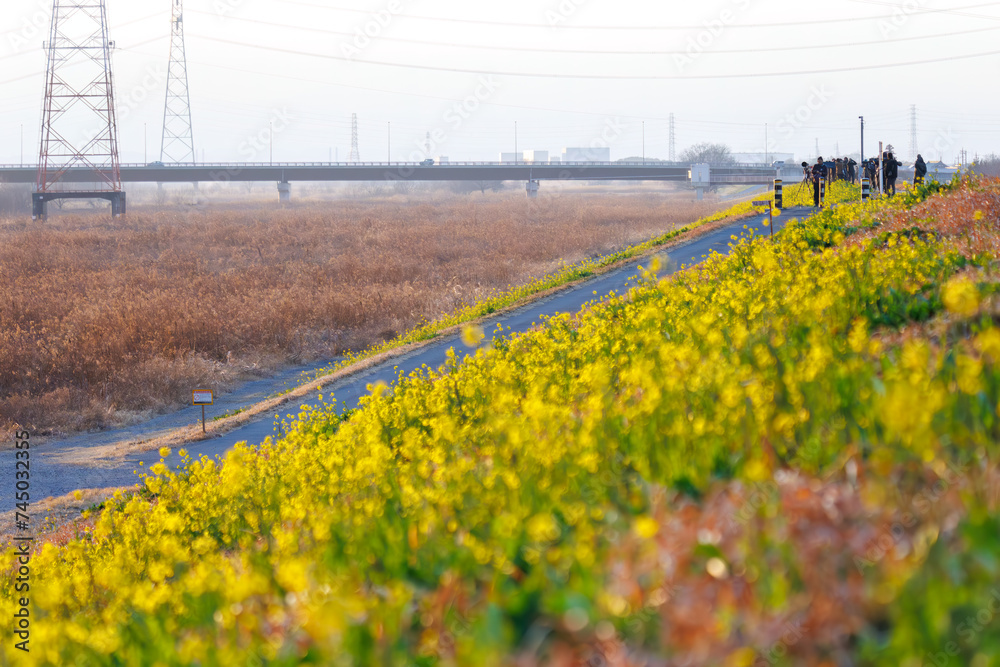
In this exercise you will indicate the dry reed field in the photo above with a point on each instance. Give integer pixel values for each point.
(104, 322)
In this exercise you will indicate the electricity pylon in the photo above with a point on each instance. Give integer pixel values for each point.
(78, 155)
(177, 146)
(672, 153)
(355, 153)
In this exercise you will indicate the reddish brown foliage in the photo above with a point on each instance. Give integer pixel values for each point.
(99, 320)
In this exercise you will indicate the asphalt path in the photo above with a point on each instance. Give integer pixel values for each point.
(61, 466)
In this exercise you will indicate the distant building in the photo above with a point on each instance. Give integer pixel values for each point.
(594, 154)
(940, 171)
(536, 156)
(510, 157)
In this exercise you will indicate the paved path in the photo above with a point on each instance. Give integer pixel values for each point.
(54, 474)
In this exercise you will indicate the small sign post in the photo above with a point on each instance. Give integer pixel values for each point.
(202, 397)
(770, 219)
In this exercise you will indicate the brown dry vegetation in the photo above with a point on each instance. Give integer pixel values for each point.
(102, 322)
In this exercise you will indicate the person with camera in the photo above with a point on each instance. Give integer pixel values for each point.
(919, 170)
(871, 173)
(890, 172)
(819, 174)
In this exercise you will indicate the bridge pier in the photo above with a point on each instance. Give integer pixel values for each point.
(40, 201)
(532, 189)
(701, 179)
(285, 192)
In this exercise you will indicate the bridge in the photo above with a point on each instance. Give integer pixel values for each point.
(286, 173)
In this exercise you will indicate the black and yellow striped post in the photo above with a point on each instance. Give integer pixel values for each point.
(822, 192)
(777, 194)
(866, 189)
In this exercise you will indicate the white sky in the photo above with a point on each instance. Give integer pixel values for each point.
(710, 63)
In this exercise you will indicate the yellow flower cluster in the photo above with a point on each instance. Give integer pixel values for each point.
(471, 500)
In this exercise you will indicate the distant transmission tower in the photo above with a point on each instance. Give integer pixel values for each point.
(355, 153)
(427, 145)
(913, 131)
(673, 141)
(78, 155)
(178, 135)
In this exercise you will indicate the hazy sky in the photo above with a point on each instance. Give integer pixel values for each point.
(569, 73)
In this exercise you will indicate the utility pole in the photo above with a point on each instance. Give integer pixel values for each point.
(817, 146)
(22, 144)
(177, 146)
(644, 142)
(270, 139)
(913, 132)
(766, 152)
(145, 143)
(862, 140)
(388, 155)
(515, 143)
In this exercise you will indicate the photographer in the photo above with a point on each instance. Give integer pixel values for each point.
(919, 170)
(890, 171)
(819, 174)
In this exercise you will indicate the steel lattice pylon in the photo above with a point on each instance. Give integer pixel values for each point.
(672, 153)
(355, 153)
(78, 156)
(177, 146)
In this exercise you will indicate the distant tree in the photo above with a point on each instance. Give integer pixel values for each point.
(708, 152)
(15, 199)
(467, 187)
(403, 187)
(988, 165)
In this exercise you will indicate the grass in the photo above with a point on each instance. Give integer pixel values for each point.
(103, 323)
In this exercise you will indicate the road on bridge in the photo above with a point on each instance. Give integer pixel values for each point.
(61, 466)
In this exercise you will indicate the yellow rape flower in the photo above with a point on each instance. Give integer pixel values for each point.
(961, 297)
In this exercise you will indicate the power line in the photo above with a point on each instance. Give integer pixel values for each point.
(957, 11)
(448, 19)
(642, 52)
(621, 77)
